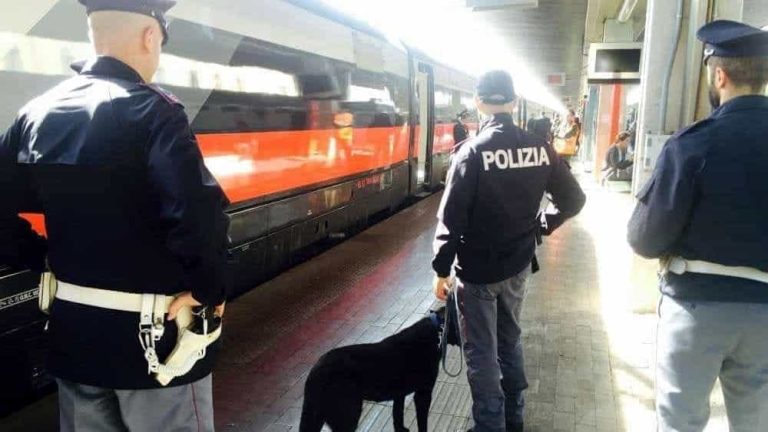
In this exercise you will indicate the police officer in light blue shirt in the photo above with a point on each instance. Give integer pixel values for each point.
(704, 212)
(488, 222)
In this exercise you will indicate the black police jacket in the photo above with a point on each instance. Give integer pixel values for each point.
(706, 200)
(488, 214)
(460, 132)
(129, 205)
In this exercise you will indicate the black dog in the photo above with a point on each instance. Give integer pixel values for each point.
(404, 363)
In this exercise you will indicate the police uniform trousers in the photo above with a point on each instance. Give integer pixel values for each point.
(84, 408)
(699, 342)
(490, 325)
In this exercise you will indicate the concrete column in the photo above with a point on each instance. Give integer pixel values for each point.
(732, 9)
(687, 99)
(694, 76)
(721, 9)
(756, 12)
(660, 25)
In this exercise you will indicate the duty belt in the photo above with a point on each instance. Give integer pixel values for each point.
(678, 265)
(151, 308)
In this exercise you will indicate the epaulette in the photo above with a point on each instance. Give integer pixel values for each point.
(165, 94)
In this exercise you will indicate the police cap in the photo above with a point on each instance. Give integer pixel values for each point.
(154, 8)
(496, 88)
(724, 38)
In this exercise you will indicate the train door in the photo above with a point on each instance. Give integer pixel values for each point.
(425, 126)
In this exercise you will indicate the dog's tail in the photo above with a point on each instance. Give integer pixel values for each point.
(311, 417)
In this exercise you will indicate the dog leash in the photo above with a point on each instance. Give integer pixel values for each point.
(453, 304)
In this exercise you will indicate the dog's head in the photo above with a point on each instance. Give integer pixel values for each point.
(438, 317)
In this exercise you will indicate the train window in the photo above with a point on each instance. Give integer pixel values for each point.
(12, 60)
(468, 101)
(37, 55)
(442, 98)
(319, 86)
(400, 92)
(368, 86)
(445, 111)
(375, 100)
(380, 95)
(43, 56)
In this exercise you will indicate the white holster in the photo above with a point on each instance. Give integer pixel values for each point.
(190, 347)
(46, 292)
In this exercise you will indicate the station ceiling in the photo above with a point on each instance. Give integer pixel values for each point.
(553, 37)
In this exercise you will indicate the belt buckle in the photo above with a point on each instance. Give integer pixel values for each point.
(145, 336)
(678, 265)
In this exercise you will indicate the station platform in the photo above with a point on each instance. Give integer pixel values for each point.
(588, 327)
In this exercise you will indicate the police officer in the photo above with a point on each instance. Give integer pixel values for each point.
(488, 220)
(131, 213)
(704, 213)
(460, 130)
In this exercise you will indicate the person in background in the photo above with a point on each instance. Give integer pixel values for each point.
(530, 124)
(542, 128)
(577, 133)
(568, 142)
(546, 123)
(460, 130)
(617, 158)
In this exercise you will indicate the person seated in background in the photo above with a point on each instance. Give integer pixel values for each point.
(618, 159)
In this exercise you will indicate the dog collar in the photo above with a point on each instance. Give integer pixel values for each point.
(435, 320)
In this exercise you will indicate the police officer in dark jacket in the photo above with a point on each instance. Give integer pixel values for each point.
(460, 130)
(704, 213)
(135, 223)
(488, 220)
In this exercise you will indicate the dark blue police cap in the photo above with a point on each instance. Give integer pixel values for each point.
(154, 8)
(496, 88)
(724, 38)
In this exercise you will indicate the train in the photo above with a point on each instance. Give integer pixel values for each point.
(314, 124)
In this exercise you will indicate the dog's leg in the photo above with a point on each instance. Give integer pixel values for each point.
(345, 413)
(397, 414)
(422, 399)
(311, 417)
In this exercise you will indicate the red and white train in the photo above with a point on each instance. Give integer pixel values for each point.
(312, 122)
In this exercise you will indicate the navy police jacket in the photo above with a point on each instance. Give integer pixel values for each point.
(488, 214)
(113, 165)
(707, 201)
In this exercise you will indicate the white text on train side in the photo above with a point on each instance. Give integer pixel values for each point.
(512, 159)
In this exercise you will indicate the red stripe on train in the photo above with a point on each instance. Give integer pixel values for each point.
(251, 165)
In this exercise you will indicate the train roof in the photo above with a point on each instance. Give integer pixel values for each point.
(321, 8)
(457, 77)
